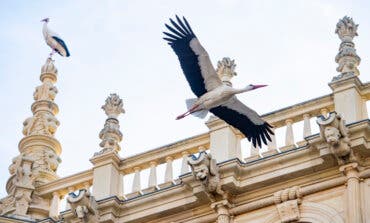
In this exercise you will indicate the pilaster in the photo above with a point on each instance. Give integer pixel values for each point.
(353, 196)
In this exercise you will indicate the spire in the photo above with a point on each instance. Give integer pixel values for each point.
(110, 134)
(347, 58)
(226, 70)
(39, 152)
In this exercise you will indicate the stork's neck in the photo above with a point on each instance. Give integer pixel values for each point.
(45, 29)
(245, 89)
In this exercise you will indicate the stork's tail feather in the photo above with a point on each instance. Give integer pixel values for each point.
(190, 102)
(201, 113)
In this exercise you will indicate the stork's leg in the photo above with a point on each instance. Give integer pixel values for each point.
(191, 110)
(52, 53)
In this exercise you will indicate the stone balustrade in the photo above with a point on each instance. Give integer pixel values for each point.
(175, 154)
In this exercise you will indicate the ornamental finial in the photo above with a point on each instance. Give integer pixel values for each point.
(346, 29)
(226, 70)
(113, 106)
(110, 134)
(347, 58)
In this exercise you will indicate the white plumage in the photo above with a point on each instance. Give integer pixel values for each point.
(213, 95)
(53, 40)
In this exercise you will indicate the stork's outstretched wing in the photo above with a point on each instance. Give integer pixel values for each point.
(245, 119)
(194, 60)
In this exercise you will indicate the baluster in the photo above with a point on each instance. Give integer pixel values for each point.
(54, 205)
(306, 125)
(184, 162)
(254, 154)
(153, 174)
(289, 137)
(272, 144)
(136, 186)
(168, 177)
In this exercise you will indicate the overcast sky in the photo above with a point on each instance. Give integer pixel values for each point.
(117, 46)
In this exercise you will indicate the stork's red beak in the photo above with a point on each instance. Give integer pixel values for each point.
(259, 86)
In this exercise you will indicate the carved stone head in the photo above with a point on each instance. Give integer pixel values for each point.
(332, 135)
(203, 167)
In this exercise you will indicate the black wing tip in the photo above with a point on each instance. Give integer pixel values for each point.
(180, 29)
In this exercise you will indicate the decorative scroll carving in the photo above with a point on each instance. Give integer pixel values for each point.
(205, 169)
(226, 69)
(287, 202)
(336, 134)
(84, 206)
(110, 134)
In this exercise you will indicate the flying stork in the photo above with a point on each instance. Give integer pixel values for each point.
(213, 95)
(54, 41)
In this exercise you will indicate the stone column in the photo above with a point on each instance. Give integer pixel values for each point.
(346, 86)
(353, 192)
(107, 178)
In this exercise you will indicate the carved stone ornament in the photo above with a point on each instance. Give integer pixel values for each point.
(346, 29)
(205, 169)
(226, 69)
(84, 206)
(42, 123)
(347, 58)
(21, 187)
(49, 67)
(334, 131)
(46, 91)
(110, 134)
(113, 106)
(287, 202)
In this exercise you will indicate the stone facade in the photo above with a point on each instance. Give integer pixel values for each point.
(324, 177)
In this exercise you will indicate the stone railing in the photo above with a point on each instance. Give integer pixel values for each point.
(170, 161)
(165, 155)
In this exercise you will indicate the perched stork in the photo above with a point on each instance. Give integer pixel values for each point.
(53, 40)
(213, 95)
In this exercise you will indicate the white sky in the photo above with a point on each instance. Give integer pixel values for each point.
(116, 46)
